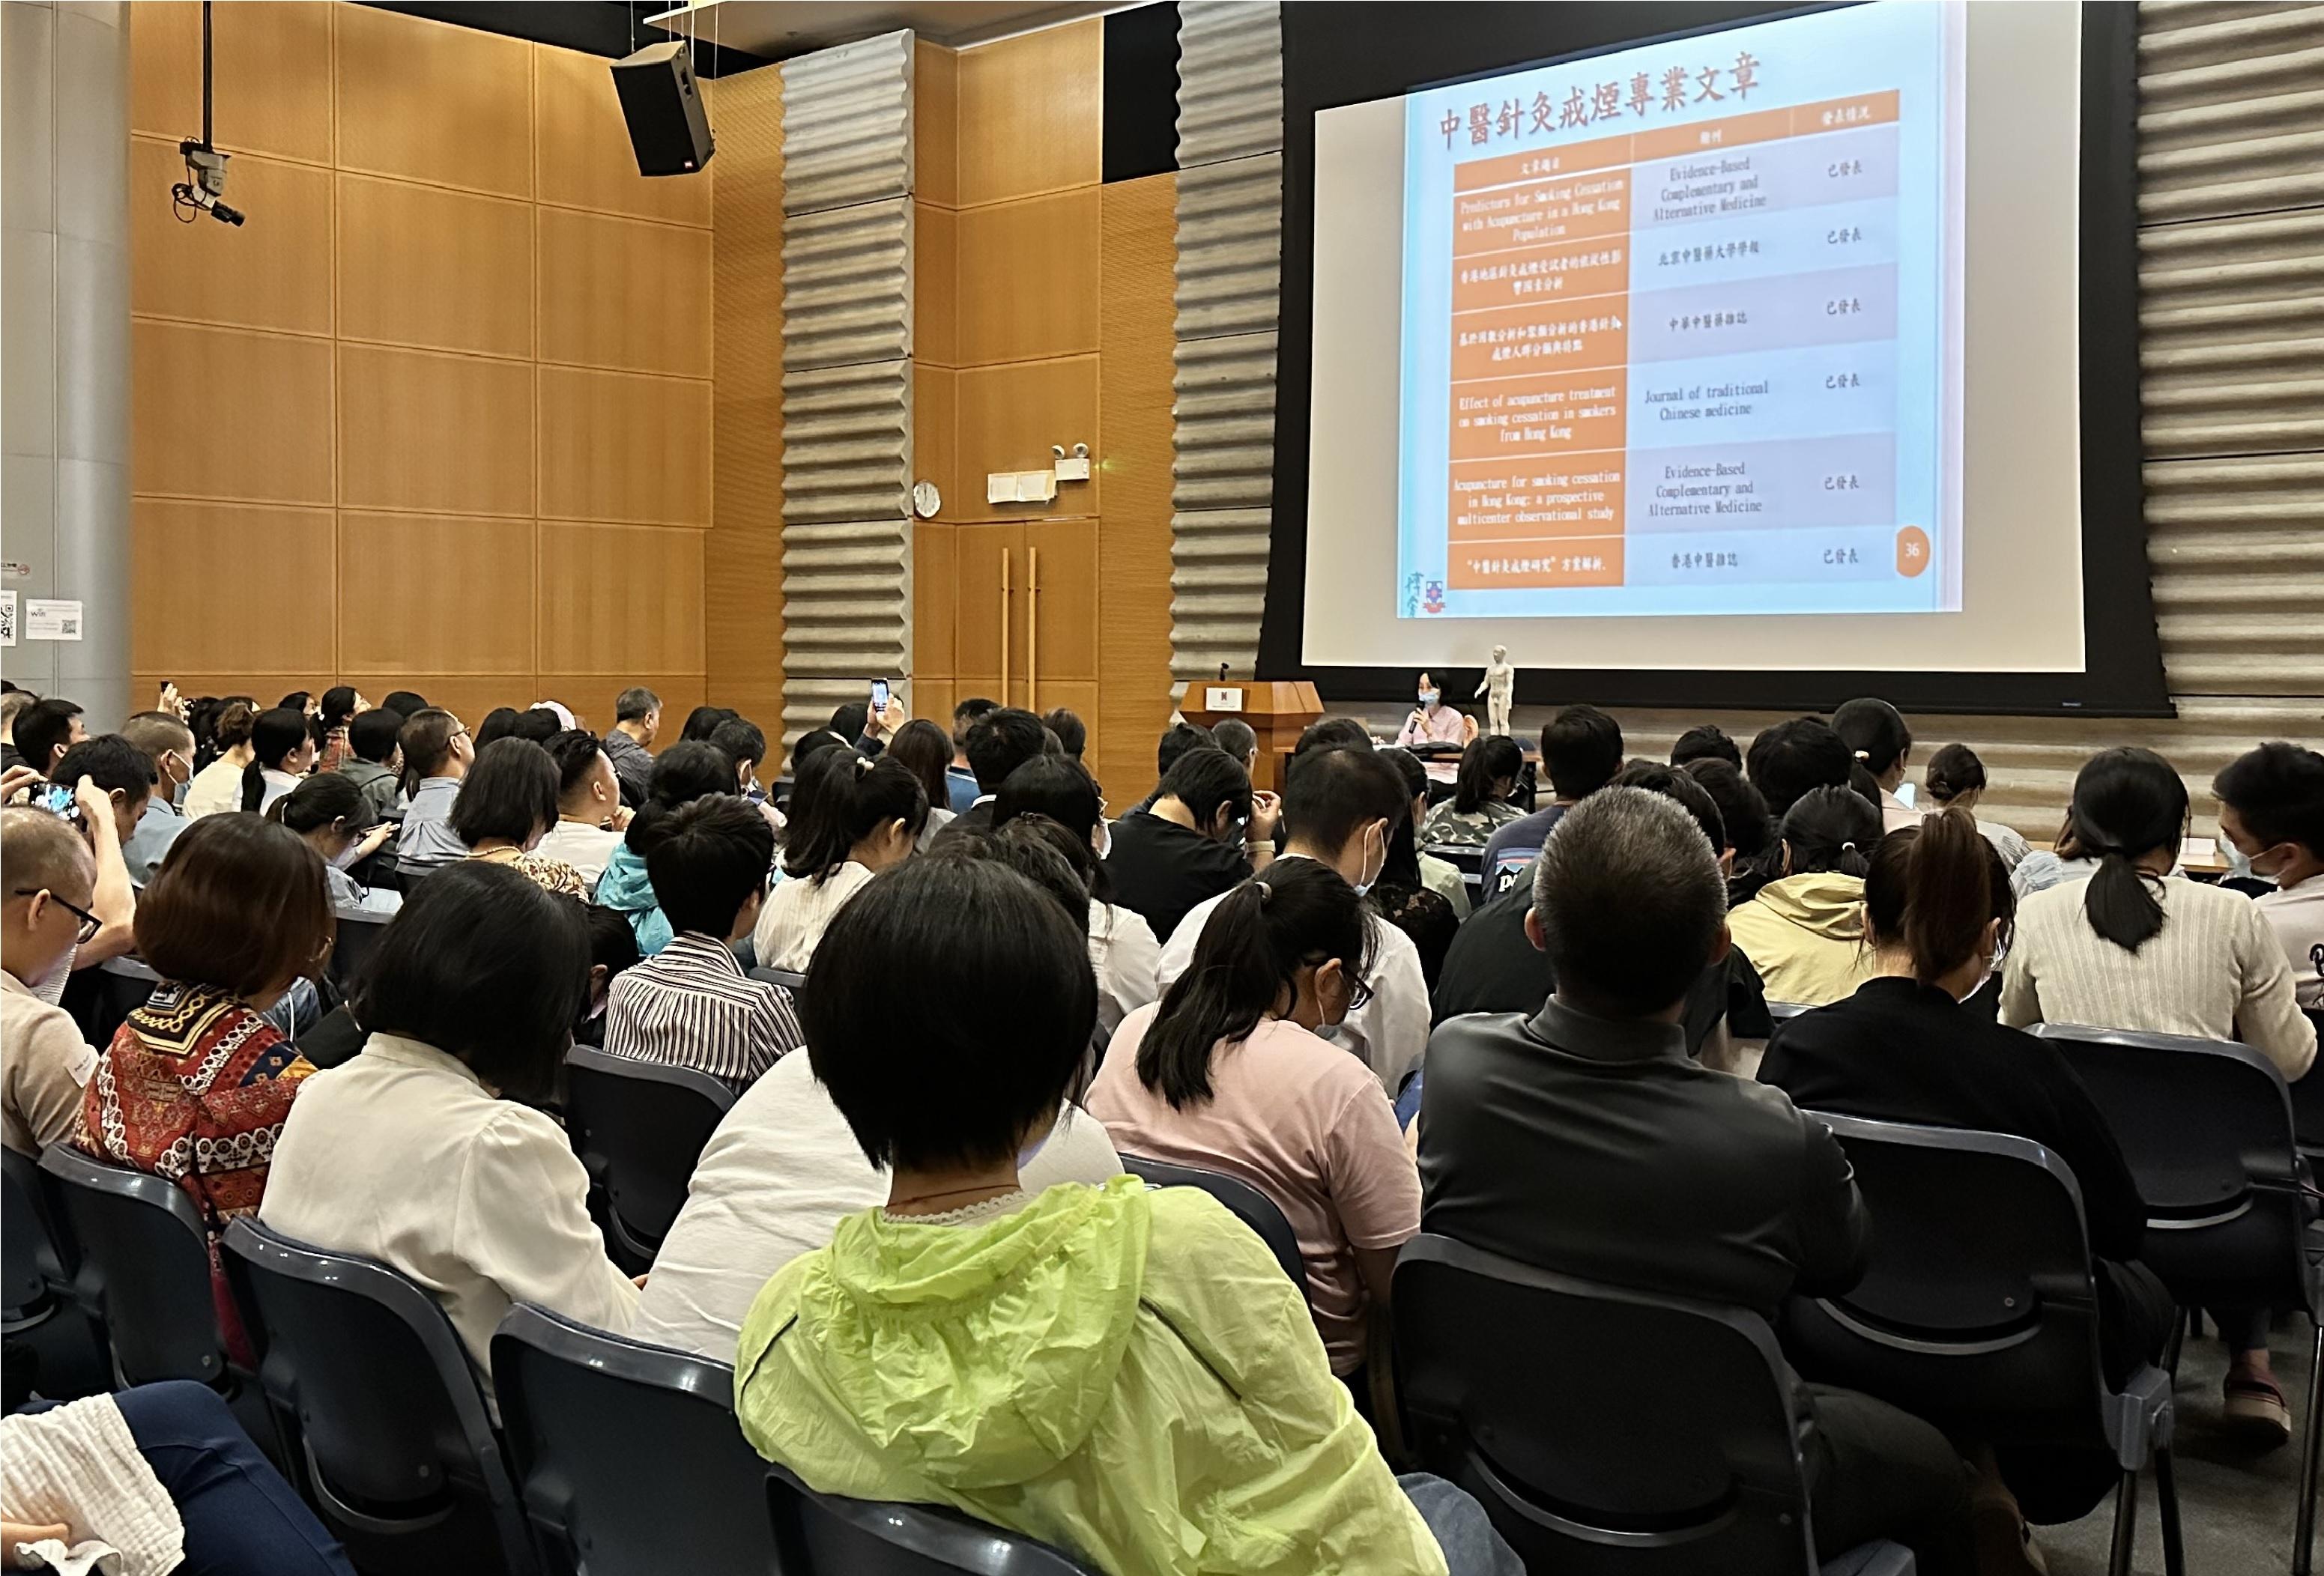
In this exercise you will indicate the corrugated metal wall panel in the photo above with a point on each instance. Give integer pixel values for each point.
(847, 374)
(1229, 233)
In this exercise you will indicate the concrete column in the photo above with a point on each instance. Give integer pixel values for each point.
(64, 318)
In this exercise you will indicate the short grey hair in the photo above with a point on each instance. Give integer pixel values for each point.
(632, 705)
(1630, 900)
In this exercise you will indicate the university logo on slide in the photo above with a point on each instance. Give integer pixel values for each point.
(1435, 599)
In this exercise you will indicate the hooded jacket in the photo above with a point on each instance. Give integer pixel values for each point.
(1121, 1373)
(1806, 935)
(626, 888)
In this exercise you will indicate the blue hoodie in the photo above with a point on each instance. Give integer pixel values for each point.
(625, 888)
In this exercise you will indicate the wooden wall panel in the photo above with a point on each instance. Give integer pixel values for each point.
(430, 101)
(586, 160)
(265, 689)
(467, 696)
(617, 292)
(225, 413)
(276, 274)
(935, 396)
(1032, 113)
(456, 587)
(591, 695)
(621, 446)
(198, 556)
(1028, 277)
(644, 581)
(936, 119)
(442, 270)
(935, 285)
(935, 570)
(1008, 416)
(423, 431)
(271, 72)
(1065, 598)
(741, 603)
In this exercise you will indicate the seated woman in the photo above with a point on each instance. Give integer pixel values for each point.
(1955, 780)
(850, 817)
(217, 787)
(506, 806)
(1433, 721)
(1876, 734)
(1121, 944)
(1480, 805)
(420, 1153)
(331, 815)
(282, 753)
(1121, 1373)
(1418, 893)
(1904, 1049)
(926, 750)
(2126, 948)
(197, 1086)
(1805, 932)
(1229, 1073)
(681, 774)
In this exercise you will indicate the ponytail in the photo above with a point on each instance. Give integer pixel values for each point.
(1953, 895)
(253, 785)
(1251, 950)
(2128, 803)
(841, 799)
(1832, 829)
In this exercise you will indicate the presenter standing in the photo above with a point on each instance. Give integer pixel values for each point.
(1433, 723)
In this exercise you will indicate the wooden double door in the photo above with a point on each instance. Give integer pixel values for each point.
(1010, 610)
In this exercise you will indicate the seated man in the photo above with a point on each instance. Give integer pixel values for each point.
(590, 815)
(44, 1064)
(691, 1005)
(1586, 1142)
(1338, 807)
(437, 752)
(1581, 751)
(1004, 738)
(960, 778)
(1206, 831)
(375, 759)
(2272, 820)
(629, 743)
(163, 738)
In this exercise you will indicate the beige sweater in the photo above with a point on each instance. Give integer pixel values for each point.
(2214, 971)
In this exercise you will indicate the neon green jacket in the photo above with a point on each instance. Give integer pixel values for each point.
(1126, 1374)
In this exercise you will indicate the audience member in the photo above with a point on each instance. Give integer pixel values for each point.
(851, 818)
(1418, 893)
(1071, 732)
(1337, 808)
(374, 761)
(1586, 1142)
(1955, 780)
(437, 755)
(922, 748)
(948, 1393)
(1758, 856)
(45, 729)
(691, 1005)
(2271, 811)
(1432, 721)
(1206, 831)
(539, 725)
(506, 805)
(217, 787)
(330, 815)
(1240, 740)
(1792, 757)
(1804, 931)
(302, 701)
(613, 953)
(196, 1084)
(703, 720)
(1903, 1049)
(1877, 736)
(1581, 750)
(1706, 742)
(744, 742)
(683, 772)
(637, 719)
(499, 724)
(338, 710)
(961, 777)
(404, 703)
(1004, 738)
(1332, 733)
(111, 781)
(1229, 1073)
(420, 1153)
(1480, 805)
(590, 815)
(2126, 948)
(44, 1062)
(13, 702)
(165, 741)
(1122, 950)
(282, 752)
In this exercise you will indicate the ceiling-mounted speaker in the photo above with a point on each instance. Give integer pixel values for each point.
(668, 128)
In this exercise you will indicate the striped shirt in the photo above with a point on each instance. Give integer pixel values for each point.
(691, 1005)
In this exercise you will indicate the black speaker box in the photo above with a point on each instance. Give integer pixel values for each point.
(668, 128)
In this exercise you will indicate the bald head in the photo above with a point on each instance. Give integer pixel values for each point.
(39, 851)
(1628, 902)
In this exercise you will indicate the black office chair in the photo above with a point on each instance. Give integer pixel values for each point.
(1252, 1207)
(1978, 1313)
(29, 1275)
(370, 1383)
(790, 981)
(627, 1456)
(639, 1127)
(2308, 1103)
(1689, 1463)
(352, 947)
(2207, 1127)
(143, 1269)
(821, 1534)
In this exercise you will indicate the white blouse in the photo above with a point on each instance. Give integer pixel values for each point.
(215, 787)
(798, 911)
(1125, 956)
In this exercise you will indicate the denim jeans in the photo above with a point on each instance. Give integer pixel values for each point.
(1471, 1547)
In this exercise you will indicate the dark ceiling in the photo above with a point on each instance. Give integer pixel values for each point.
(612, 28)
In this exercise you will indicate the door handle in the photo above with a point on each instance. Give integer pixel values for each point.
(1005, 555)
(1032, 627)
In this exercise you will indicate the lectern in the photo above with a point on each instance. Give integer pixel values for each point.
(1279, 710)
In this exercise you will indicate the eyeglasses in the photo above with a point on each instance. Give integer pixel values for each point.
(89, 923)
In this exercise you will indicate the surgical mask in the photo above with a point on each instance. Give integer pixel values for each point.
(1428, 697)
(345, 857)
(2239, 864)
(1372, 878)
(1104, 845)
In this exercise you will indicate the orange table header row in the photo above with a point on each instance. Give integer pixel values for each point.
(1830, 115)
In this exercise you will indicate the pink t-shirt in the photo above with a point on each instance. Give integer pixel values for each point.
(1304, 1122)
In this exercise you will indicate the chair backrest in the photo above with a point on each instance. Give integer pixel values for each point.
(820, 1535)
(144, 1275)
(2207, 1127)
(1977, 1300)
(362, 1365)
(783, 977)
(23, 1238)
(2308, 1098)
(1252, 1207)
(639, 1127)
(627, 1456)
(1681, 1460)
(351, 948)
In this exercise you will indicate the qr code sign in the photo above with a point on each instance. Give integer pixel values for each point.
(7, 618)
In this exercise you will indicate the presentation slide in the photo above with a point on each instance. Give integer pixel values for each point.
(1752, 349)
(1675, 328)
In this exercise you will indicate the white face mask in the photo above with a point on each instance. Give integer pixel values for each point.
(1428, 697)
(2239, 864)
(1101, 839)
(1372, 872)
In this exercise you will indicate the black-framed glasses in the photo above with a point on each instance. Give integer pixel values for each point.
(89, 923)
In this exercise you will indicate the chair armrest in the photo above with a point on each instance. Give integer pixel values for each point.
(2139, 1419)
